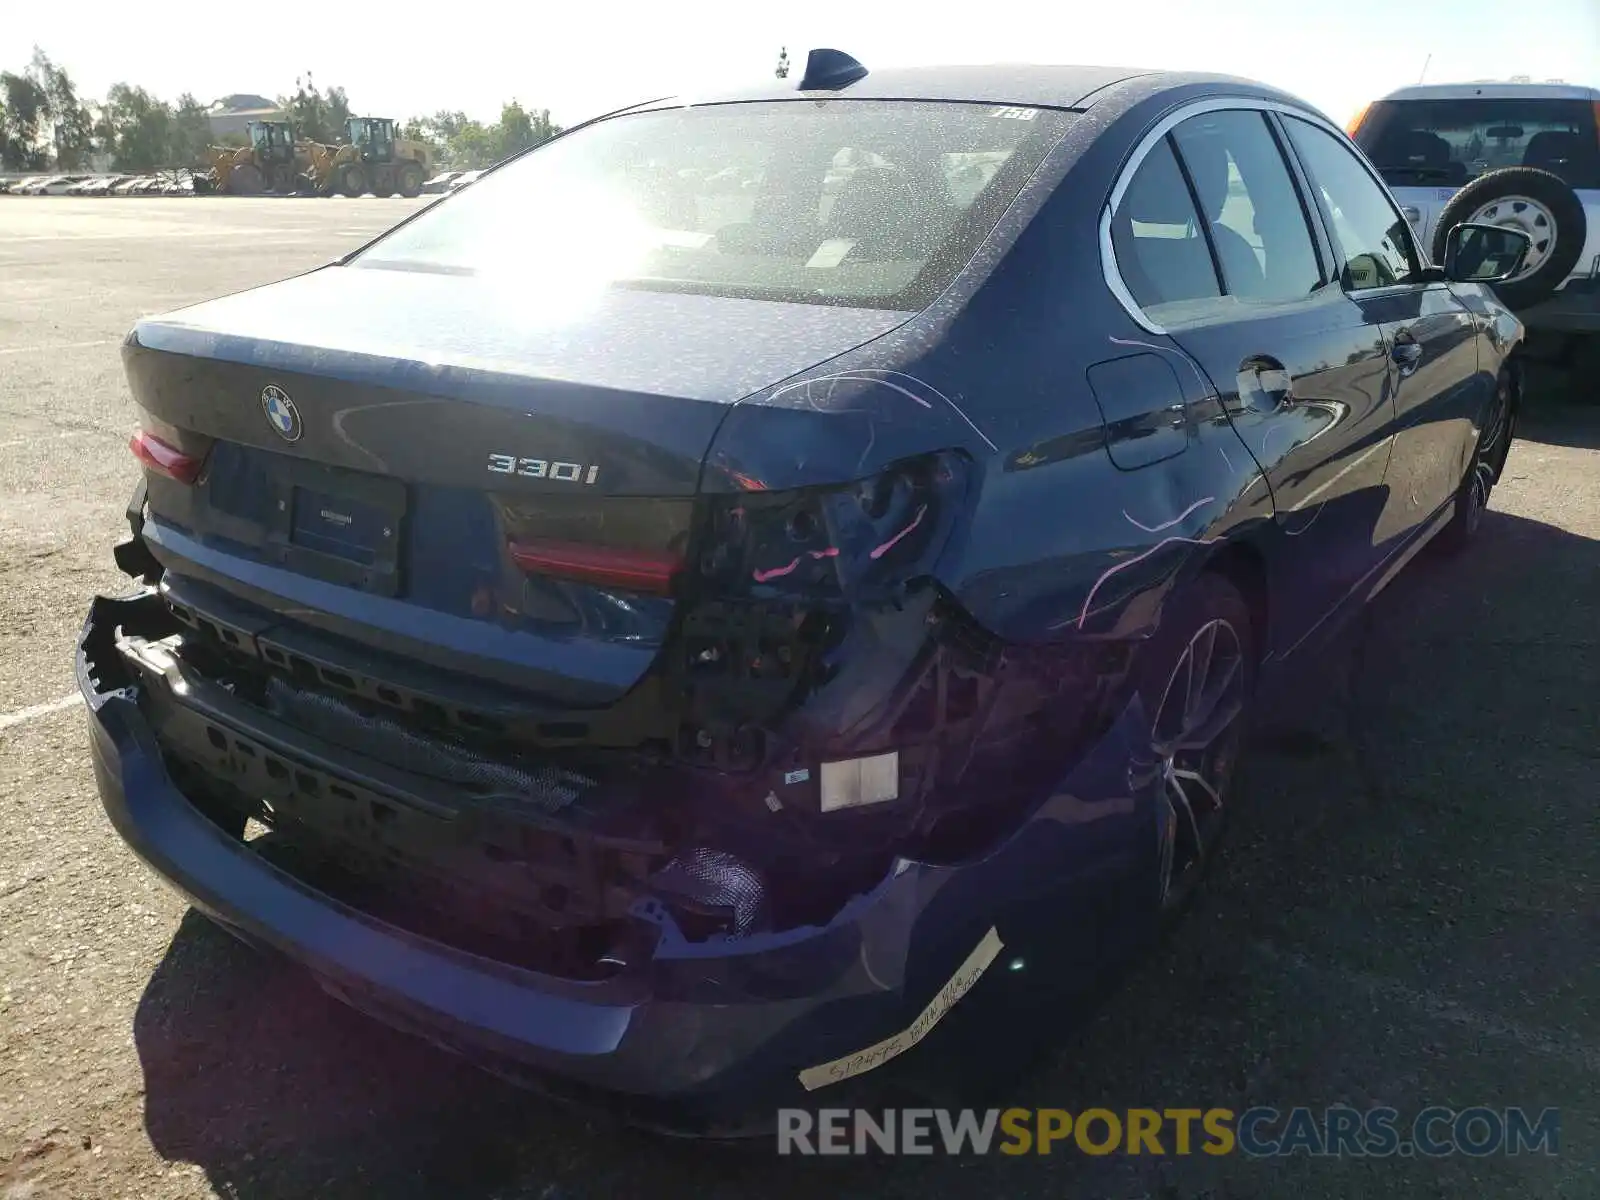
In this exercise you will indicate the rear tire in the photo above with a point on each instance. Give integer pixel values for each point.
(1488, 461)
(1542, 206)
(1196, 678)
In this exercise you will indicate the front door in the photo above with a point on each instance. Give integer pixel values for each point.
(1431, 336)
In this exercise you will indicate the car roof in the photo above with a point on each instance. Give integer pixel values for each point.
(1495, 89)
(1030, 84)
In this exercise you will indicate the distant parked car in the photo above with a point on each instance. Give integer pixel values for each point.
(441, 181)
(128, 186)
(57, 185)
(462, 180)
(94, 186)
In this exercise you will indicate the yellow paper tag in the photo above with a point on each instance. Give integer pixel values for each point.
(943, 1001)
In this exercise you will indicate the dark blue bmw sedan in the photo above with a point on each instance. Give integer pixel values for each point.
(754, 579)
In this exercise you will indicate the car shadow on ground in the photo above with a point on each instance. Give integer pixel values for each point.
(1564, 405)
(1359, 850)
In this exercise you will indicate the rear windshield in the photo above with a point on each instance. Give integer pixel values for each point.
(1445, 143)
(853, 202)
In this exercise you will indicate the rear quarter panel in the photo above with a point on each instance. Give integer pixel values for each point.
(1062, 543)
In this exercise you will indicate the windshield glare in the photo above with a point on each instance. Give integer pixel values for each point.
(870, 203)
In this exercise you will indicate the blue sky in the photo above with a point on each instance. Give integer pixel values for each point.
(578, 60)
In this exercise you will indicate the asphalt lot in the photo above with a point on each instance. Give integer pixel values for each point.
(1406, 915)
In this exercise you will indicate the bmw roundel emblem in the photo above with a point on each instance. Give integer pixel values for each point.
(282, 415)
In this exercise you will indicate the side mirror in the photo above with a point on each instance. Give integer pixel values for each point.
(1476, 253)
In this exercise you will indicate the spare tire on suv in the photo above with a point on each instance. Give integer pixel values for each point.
(1541, 205)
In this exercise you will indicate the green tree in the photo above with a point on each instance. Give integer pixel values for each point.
(191, 132)
(338, 113)
(141, 128)
(457, 141)
(71, 126)
(315, 116)
(519, 129)
(27, 109)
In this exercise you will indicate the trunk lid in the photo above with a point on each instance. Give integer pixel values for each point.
(426, 466)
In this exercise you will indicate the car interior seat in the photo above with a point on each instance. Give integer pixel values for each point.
(1157, 267)
(1207, 159)
(1561, 153)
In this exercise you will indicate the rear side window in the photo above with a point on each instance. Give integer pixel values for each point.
(1212, 210)
(1372, 239)
(1447, 142)
(1257, 224)
(1161, 252)
(854, 202)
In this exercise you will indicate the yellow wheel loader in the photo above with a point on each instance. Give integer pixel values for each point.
(270, 163)
(375, 160)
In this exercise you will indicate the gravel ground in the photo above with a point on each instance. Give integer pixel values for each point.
(1406, 914)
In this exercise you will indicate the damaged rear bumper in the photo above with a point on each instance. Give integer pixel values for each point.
(717, 1027)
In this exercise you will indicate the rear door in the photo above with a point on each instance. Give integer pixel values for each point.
(1303, 373)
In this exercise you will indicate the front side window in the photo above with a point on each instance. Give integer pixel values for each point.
(1373, 243)
(854, 202)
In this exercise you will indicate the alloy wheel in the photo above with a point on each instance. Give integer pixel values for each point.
(1195, 737)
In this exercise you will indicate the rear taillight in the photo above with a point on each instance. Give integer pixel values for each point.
(602, 566)
(165, 458)
(1597, 120)
(617, 543)
(871, 535)
(1354, 124)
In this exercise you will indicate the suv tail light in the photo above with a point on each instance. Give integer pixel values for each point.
(1354, 124)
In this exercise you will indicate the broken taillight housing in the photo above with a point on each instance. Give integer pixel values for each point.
(852, 540)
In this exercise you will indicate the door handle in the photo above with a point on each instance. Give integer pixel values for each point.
(1406, 353)
(1265, 384)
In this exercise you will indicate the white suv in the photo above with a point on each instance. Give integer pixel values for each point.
(1520, 154)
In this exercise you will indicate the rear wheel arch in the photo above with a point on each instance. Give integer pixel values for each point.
(1242, 564)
